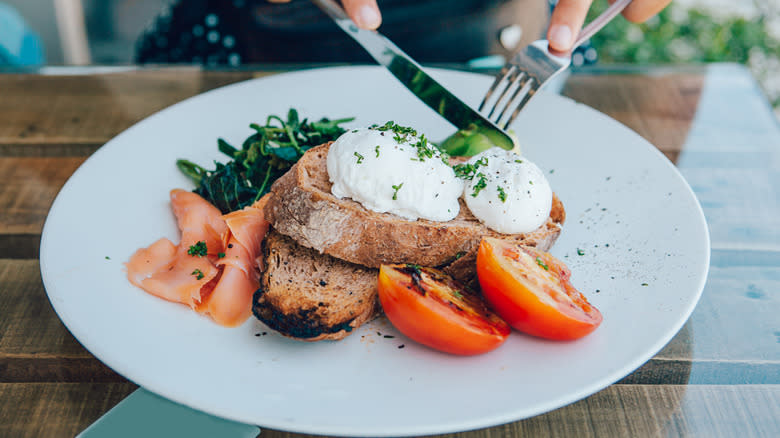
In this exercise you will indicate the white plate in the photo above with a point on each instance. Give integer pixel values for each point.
(642, 230)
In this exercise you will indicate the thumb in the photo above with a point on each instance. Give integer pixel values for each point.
(365, 13)
(566, 22)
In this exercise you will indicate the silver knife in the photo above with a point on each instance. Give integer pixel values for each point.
(412, 76)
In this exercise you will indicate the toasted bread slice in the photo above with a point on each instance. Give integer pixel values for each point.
(311, 296)
(303, 208)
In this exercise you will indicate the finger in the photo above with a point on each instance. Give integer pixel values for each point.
(566, 22)
(640, 11)
(365, 13)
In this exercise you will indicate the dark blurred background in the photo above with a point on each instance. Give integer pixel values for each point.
(110, 32)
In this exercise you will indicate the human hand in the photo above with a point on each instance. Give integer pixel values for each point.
(365, 13)
(569, 15)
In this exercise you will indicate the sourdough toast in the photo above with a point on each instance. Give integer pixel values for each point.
(303, 208)
(311, 296)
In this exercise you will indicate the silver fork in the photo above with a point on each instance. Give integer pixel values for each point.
(531, 68)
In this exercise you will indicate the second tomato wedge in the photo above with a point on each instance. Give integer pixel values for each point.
(431, 308)
(531, 290)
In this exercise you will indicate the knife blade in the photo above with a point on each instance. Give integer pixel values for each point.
(414, 78)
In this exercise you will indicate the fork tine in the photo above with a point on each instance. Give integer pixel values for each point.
(523, 102)
(499, 78)
(517, 75)
(520, 87)
(504, 74)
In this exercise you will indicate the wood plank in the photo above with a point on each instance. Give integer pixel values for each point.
(659, 108)
(29, 326)
(48, 150)
(56, 409)
(91, 109)
(28, 186)
(706, 111)
(64, 409)
(35, 346)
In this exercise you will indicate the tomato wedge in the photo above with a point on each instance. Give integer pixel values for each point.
(531, 290)
(431, 308)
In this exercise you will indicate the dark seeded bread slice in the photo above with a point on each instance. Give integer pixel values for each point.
(311, 296)
(303, 208)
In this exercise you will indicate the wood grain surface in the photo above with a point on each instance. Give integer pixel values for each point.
(720, 376)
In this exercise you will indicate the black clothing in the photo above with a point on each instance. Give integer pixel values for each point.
(233, 32)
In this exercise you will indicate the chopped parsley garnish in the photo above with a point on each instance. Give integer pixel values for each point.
(199, 249)
(402, 133)
(540, 262)
(423, 151)
(220, 254)
(359, 157)
(530, 182)
(198, 274)
(377, 151)
(468, 170)
(501, 194)
(397, 188)
(108, 258)
(580, 252)
(481, 184)
(645, 284)
(460, 254)
(457, 294)
(519, 161)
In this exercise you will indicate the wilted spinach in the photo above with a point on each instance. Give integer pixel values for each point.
(264, 156)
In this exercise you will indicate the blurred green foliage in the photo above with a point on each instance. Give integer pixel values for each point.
(680, 35)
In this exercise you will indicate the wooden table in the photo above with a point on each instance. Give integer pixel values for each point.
(720, 376)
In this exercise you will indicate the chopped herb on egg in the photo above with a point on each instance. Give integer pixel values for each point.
(501, 194)
(359, 157)
(199, 249)
(467, 170)
(540, 262)
(376, 149)
(519, 161)
(402, 133)
(396, 188)
(423, 151)
(221, 254)
(580, 252)
(198, 274)
(481, 184)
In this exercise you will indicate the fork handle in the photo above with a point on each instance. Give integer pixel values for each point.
(600, 21)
